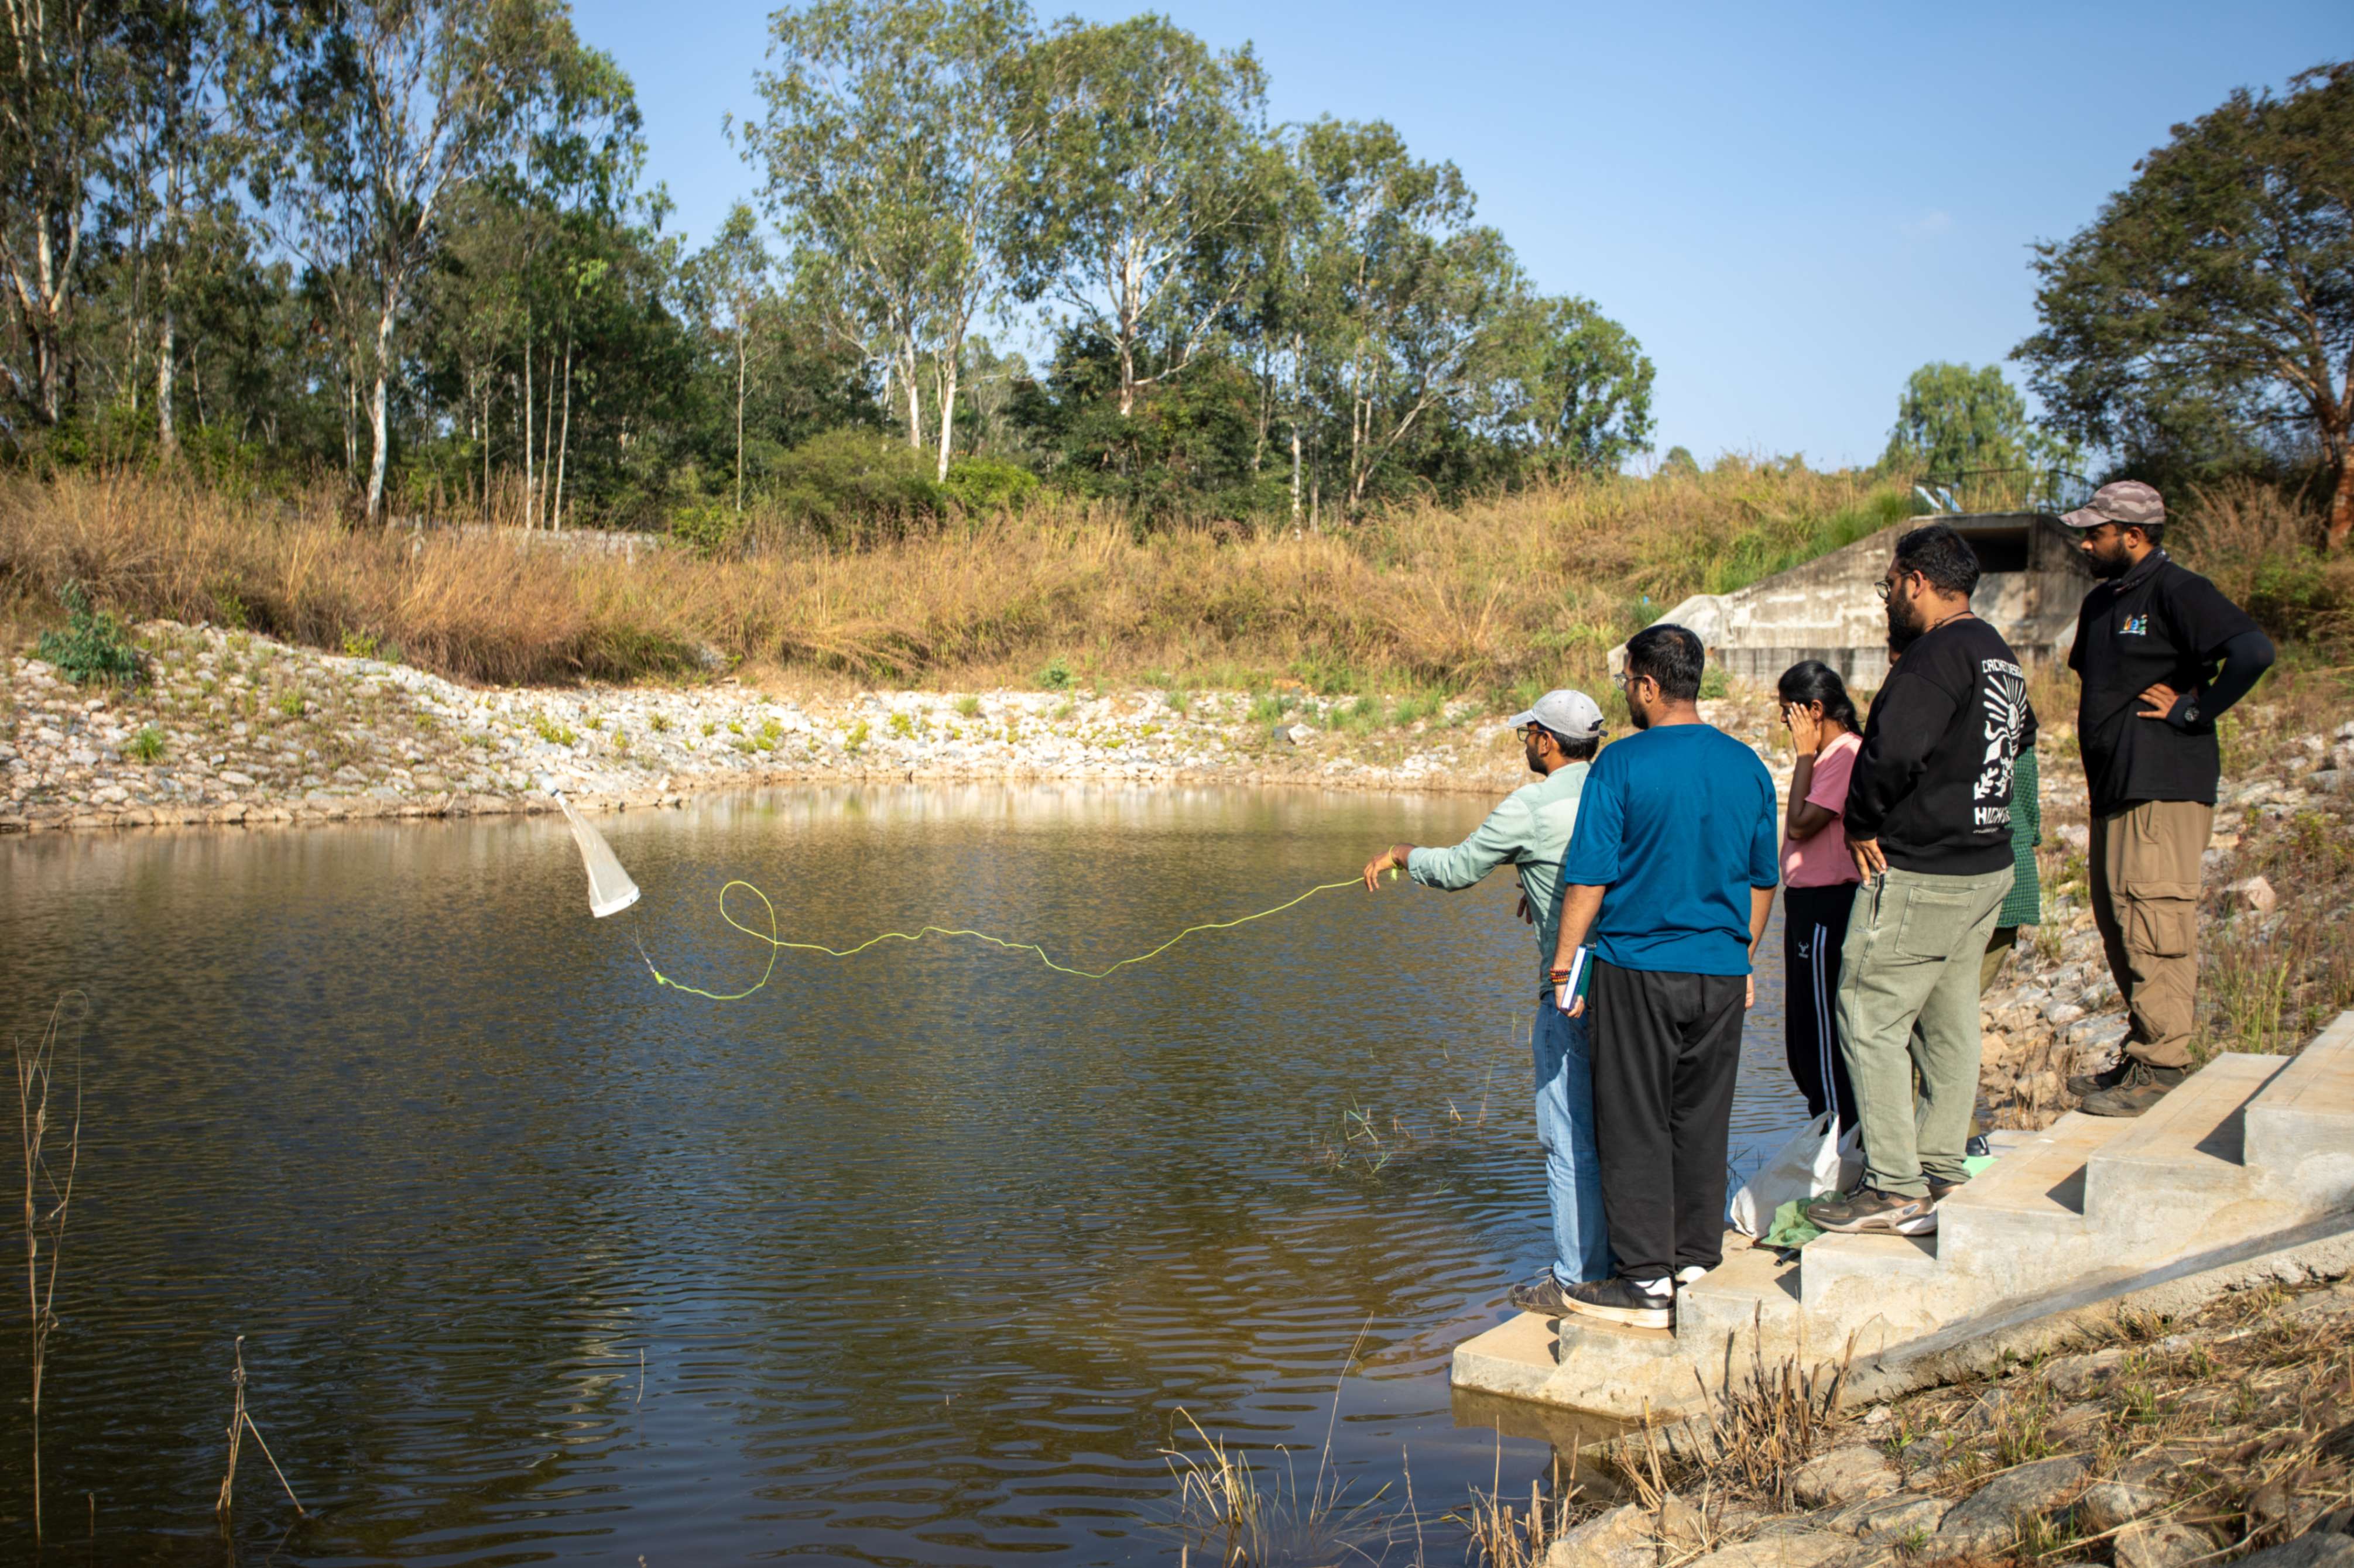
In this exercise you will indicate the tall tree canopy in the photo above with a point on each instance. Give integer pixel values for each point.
(2211, 302)
(407, 242)
(1955, 418)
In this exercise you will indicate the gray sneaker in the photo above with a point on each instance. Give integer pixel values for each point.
(1868, 1209)
(1543, 1296)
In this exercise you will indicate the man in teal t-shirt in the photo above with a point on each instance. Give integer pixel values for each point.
(1668, 882)
(1528, 831)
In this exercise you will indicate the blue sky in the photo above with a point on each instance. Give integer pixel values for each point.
(1792, 207)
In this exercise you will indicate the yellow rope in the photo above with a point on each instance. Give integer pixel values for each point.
(778, 944)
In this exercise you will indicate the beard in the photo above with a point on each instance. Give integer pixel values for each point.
(1635, 713)
(1536, 766)
(1905, 625)
(2108, 568)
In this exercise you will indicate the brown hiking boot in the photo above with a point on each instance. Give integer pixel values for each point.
(2142, 1087)
(2084, 1084)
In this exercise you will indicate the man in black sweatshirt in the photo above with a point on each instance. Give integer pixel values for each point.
(2161, 653)
(1929, 821)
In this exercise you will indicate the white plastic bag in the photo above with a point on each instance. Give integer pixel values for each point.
(1815, 1161)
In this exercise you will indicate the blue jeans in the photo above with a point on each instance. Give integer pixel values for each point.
(1566, 1128)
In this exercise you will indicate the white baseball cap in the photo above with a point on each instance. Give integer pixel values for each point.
(1572, 715)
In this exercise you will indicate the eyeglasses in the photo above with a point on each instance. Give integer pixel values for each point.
(1888, 585)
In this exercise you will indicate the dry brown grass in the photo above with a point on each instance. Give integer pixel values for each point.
(1531, 587)
(2238, 1414)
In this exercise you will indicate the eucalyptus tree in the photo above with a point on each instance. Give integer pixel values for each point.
(1411, 301)
(64, 74)
(889, 138)
(1145, 185)
(365, 116)
(2215, 292)
(1581, 398)
(178, 174)
(736, 274)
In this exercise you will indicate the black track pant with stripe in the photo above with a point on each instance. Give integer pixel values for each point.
(1814, 929)
(1667, 1050)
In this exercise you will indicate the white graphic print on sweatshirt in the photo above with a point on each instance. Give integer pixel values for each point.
(2003, 691)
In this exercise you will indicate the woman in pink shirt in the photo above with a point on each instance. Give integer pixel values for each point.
(1820, 880)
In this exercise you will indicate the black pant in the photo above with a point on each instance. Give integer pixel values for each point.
(1814, 929)
(1667, 1049)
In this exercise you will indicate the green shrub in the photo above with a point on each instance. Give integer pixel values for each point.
(853, 486)
(2302, 596)
(854, 737)
(968, 706)
(94, 646)
(552, 732)
(147, 746)
(229, 606)
(1056, 676)
(1712, 681)
(291, 703)
(711, 529)
(987, 484)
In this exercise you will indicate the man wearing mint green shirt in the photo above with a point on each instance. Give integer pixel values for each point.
(1529, 830)
(1669, 878)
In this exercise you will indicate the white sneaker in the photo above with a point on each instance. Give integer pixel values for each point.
(1689, 1274)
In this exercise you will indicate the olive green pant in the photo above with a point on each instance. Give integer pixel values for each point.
(2145, 863)
(1998, 947)
(1909, 1001)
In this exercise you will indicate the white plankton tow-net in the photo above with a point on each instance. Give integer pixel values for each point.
(611, 890)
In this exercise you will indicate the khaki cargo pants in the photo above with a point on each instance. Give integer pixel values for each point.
(2145, 865)
(1908, 1020)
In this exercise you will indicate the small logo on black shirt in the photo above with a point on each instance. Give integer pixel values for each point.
(2134, 626)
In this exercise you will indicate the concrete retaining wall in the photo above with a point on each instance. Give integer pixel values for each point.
(1826, 609)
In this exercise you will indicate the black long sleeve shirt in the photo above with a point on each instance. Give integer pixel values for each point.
(1933, 780)
(2158, 624)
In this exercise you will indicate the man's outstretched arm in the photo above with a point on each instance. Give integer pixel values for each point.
(1499, 840)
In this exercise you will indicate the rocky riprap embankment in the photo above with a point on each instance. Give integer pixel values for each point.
(2226, 1435)
(230, 727)
(2055, 1010)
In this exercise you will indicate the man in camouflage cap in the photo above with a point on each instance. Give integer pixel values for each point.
(2161, 653)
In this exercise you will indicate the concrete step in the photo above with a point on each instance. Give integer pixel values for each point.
(2029, 1201)
(1843, 1275)
(1753, 1289)
(2184, 1152)
(2300, 1126)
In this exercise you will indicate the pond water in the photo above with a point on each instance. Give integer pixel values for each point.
(923, 1257)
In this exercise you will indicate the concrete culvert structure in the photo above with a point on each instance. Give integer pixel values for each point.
(1826, 609)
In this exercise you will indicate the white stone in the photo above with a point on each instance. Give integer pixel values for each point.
(2253, 893)
(2160, 1544)
(1844, 1476)
(2111, 1504)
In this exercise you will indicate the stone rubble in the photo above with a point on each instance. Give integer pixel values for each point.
(232, 728)
(1987, 1473)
